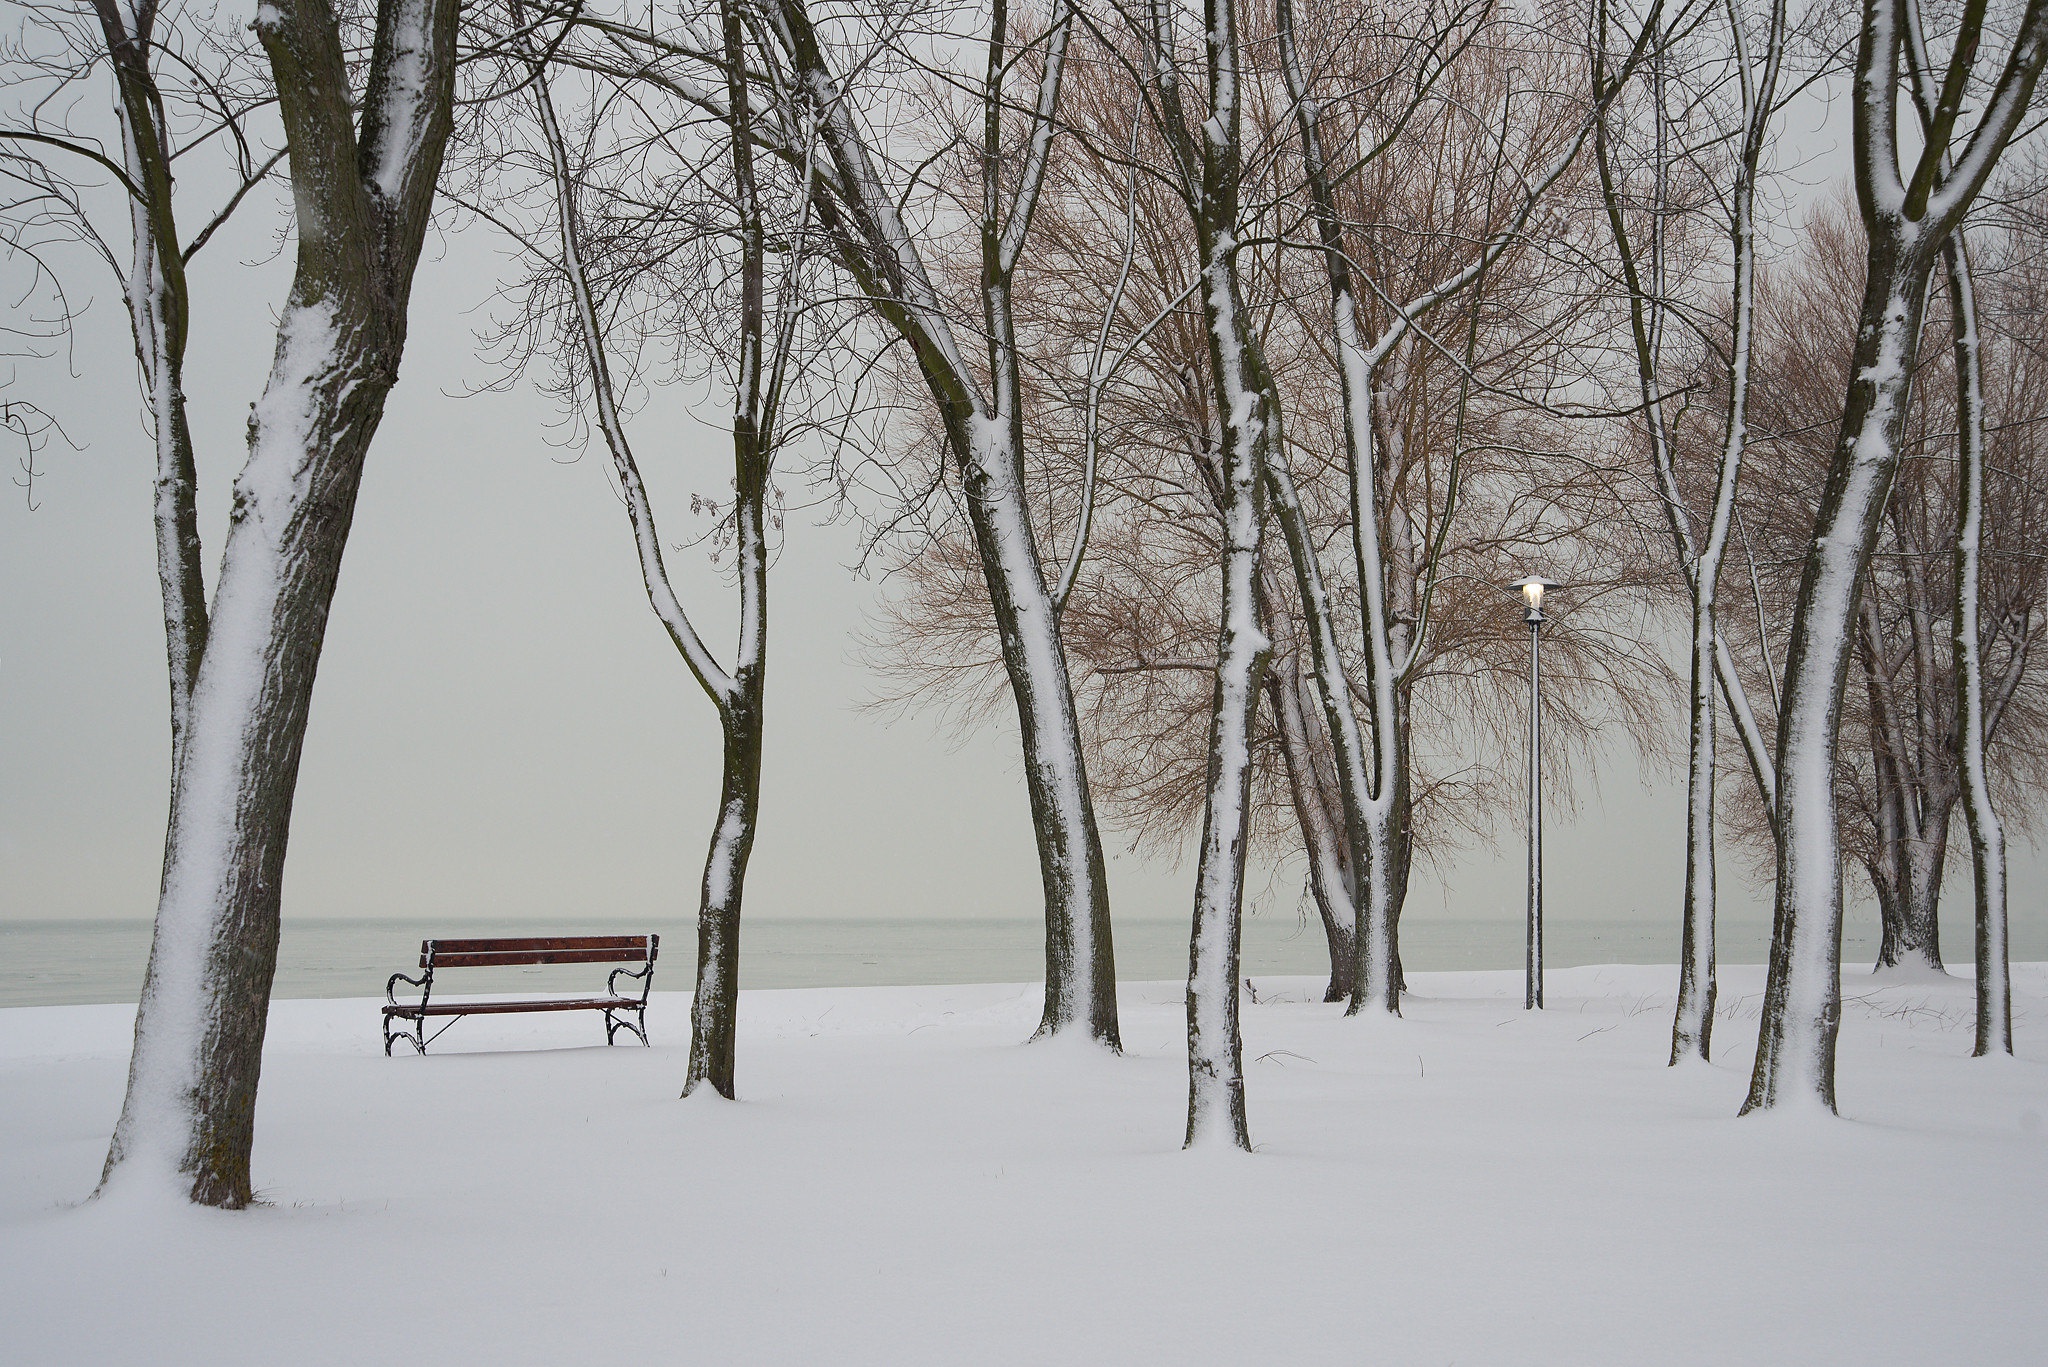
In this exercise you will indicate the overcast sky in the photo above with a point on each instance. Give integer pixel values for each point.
(501, 727)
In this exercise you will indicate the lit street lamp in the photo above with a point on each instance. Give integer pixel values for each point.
(1532, 589)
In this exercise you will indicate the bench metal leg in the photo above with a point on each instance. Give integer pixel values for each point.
(615, 1023)
(416, 1036)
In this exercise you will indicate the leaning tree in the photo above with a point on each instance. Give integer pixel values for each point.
(365, 105)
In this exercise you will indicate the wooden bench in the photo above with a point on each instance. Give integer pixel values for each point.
(551, 949)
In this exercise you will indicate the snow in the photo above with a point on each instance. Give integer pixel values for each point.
(904, 1183)
(405, 102)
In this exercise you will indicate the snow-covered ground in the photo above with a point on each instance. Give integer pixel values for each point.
(902, 1183)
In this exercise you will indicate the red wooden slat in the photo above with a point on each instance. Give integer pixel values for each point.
(545, 942)
(548, 949)
(545, 956)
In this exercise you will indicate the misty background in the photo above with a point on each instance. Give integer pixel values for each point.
(502, 729)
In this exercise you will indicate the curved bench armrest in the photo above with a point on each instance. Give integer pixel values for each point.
(645, 973)
(423, 983)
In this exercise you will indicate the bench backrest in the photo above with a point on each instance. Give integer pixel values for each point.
(547, 949)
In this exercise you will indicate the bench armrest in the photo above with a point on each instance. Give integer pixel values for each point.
(424, 983)
(645, 973)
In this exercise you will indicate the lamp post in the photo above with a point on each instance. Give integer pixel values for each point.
(1532, 589)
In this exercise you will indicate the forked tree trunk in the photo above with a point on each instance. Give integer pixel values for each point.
(189, 1114)
(1907, 218)
(984, 440)
(739, 696)
(1802, 993)
(715, 1006)
(1374, 781)
(1700, 564)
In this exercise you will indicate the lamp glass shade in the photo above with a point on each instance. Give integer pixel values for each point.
(1533, 589)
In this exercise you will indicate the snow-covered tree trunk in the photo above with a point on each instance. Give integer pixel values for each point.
(714, 1009)
(1304, 746)
(1216, 1106)
(159, 311)
(1802, 995)
(1987, 834)
(1208, 166)
(1756, 81)
(984, 439)
(1367, 806)
(1906, 217)
(362, 207)
(759, 366)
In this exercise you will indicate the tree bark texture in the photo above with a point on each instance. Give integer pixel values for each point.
(1802, 994)
(362, 209)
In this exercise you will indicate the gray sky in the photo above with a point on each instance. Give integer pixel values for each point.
(501, 726)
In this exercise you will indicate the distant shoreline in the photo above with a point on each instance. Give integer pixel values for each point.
(55, 963)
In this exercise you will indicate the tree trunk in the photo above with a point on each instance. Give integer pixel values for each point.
(1692, 1026)
(1216, 1107)
(1321, 832)
(1987, 834)
(1908, 882)
(362, 207)
(199, 1026)
(985, 441)
(1795, 1058)
(1080, 962)
(714, 1009)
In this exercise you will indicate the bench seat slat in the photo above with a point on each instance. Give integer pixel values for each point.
(499, 1008)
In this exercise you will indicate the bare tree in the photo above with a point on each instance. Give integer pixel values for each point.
(242, 668)
(652, 227)
(187, 88)
(1757, 61)
(1907, 215)
(981, 418)
(1475, 474)
(1397, 572)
